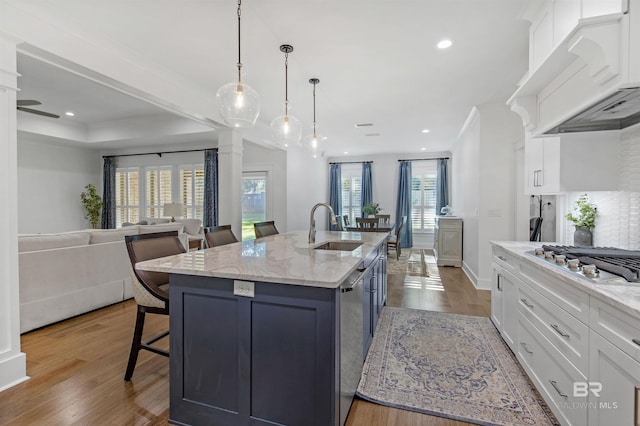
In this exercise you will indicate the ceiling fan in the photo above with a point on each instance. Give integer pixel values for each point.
(30, 102)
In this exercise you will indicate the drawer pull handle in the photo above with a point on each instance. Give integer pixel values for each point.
(555, 386)
(504, 259)
(526, 303)
(636, 341)
(636, 416)
(560, 332)
(526, 349)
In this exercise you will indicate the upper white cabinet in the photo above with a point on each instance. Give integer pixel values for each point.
(572, 162)
(580, 51)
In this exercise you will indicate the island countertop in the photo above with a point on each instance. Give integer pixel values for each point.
(282, 258)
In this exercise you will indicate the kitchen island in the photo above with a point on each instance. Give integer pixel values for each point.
(256, 328)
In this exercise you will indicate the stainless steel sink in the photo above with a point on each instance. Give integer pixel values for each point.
(339, 245)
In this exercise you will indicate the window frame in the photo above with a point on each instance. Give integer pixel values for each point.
(424, 170)
(352, 173)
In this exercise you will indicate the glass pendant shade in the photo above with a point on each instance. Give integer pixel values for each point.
(286, 131)
(313, 143)
(239, 104)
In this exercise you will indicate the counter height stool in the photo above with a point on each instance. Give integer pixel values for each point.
(150, 289)
(264, 229)
(219, 235)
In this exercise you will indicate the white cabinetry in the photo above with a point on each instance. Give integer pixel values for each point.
(572, 162)
(581, 352)
(615, 364)
(447, 246)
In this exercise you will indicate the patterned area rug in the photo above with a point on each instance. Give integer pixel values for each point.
(414, 262)
(449, 365)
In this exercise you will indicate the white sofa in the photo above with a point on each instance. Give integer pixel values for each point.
(67, 274)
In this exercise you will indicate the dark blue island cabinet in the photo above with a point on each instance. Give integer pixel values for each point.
(271, 359)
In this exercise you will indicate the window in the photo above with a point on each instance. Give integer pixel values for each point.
(351, 191)
(254, 201)
(423, 196)
(157, 189)
(192, 190)
(127, 195)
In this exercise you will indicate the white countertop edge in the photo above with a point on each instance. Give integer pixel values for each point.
(330, 267)
(625, 297)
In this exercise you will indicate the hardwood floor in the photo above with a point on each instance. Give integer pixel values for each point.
(77, 366)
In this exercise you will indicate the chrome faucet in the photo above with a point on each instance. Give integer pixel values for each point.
(312, 222)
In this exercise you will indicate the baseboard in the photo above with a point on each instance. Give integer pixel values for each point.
(13, 370)
(469, 273)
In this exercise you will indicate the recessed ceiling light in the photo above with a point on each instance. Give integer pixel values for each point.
(346, 152)
(423, 149)
(444, 44)
(69, 113)
(425, 130)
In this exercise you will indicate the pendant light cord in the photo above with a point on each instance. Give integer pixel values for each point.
(286, 83)
(239, 61)
(314, 110)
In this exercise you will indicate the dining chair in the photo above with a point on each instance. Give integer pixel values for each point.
(264, 229)
(219, 235)
(367, 224)
(150, 289)
(345, 219)
(383, 219)
(394, 241)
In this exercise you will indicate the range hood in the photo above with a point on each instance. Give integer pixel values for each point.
(617, 111)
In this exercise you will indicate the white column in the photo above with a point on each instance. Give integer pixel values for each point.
(230, 179)
(13, 366)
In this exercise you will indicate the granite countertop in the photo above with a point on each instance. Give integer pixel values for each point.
(282, 258)
(624, 296)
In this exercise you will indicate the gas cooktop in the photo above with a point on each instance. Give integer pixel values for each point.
(601, 265)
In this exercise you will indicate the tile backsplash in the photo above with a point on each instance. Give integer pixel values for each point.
(618, 220)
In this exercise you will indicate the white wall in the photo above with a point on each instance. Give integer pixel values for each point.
(51, 177)
(486, 190)
(307, 184)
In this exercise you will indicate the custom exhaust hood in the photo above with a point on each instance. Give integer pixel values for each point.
(617, 111)
(590, 80)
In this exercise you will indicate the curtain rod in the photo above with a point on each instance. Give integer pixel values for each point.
(351, 162)
(425, 159)
(159, 154)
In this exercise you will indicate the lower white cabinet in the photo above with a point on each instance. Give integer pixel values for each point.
(581, 352)
(504, 305)
(614, 385)
(447, 247)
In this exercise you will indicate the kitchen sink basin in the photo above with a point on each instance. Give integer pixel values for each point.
(339, 245)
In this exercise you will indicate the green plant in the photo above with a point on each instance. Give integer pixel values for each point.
(585, 213)
(92, 204)
(371, 208)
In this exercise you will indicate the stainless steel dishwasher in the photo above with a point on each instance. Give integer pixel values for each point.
(351, 339)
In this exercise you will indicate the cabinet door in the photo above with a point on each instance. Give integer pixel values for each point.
(509, 309)
(533, 154)
(497, 295)
(549, 178)
(613, 390)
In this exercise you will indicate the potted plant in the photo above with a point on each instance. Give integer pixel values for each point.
(371, 209)
(583, 217)
(92, 204)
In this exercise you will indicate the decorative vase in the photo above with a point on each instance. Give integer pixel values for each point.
(582, 236)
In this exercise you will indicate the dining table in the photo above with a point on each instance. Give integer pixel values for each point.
(387, 227)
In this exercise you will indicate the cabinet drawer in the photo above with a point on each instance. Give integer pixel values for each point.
(505, 259)
(571, 299)
(569, 336)
(552, 375)
(620, 328)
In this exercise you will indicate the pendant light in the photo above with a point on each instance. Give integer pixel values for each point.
(286, 128)
(312, 141)
(239, 103)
